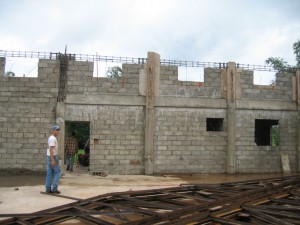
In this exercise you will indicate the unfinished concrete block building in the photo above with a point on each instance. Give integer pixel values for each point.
(149, 122)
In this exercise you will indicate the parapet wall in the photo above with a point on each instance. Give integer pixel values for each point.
(147, 121)
(283, 89)
(171, 86)
(81, 80)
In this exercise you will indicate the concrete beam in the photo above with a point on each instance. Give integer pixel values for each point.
(179, 102)
(266, 105)
(190, 102)
(105, 100)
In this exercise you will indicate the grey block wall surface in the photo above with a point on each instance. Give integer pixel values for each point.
(27, 111)
(251, 158)
(117, 136)
(182, 143)
(116, 111)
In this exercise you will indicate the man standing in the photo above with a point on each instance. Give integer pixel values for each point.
(53, 170)
(71, 149)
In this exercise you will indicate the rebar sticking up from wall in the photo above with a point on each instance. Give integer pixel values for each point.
(63, 69)
(130, 60)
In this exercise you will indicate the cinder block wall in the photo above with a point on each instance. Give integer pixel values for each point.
(282, 90)
(275, 103)
(251, 158)
(171, 86)
(117, 136)
(115, 109)
(182, 144)
(116, 129)
(27, 111)
(81, 80)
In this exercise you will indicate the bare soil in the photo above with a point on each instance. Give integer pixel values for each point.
(20, 189)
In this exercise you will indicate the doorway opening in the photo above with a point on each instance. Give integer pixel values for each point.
(82, 135)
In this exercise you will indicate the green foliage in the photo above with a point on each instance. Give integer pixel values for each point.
(114, 72)
(277, 63)
(10, 74)
(281, 65)
(296, 47)
(275, 135)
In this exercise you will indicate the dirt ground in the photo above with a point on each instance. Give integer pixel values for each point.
(20, 190)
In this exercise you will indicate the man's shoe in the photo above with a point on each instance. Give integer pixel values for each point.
(49, 192)
(55, 192)
(68, 168)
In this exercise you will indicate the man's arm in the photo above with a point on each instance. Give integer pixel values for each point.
(52, 156)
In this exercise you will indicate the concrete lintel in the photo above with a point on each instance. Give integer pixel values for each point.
(266, 105)
(105, 100)
(190, 102)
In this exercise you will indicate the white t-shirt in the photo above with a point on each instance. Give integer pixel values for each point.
(52, 141)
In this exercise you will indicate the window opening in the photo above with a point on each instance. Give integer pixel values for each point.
(193, 74)
(214, 124)
(264, 77)
(21, 67)
(266, 132)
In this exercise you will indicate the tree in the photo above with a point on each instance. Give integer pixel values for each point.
(10, 74)
(277, 63)
(275, 135)
(281, 65)
(296, 47)
(114, 72)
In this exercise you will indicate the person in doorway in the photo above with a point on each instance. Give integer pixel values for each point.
(71, 149)
(87, 147)
(53, 169)
(85, 158)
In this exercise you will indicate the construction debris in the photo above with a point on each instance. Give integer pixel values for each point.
(268, 201)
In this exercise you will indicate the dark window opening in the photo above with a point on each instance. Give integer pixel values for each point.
(214, 124)
(266, 132)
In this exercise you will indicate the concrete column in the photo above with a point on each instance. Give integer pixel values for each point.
(298, 104)
(60, 121)
(231, 116)
(152, 68)
(2, 66)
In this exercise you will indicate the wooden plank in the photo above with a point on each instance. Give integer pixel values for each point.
(285, 163)
(61, 196)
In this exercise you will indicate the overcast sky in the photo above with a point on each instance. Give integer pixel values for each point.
(243, 31)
